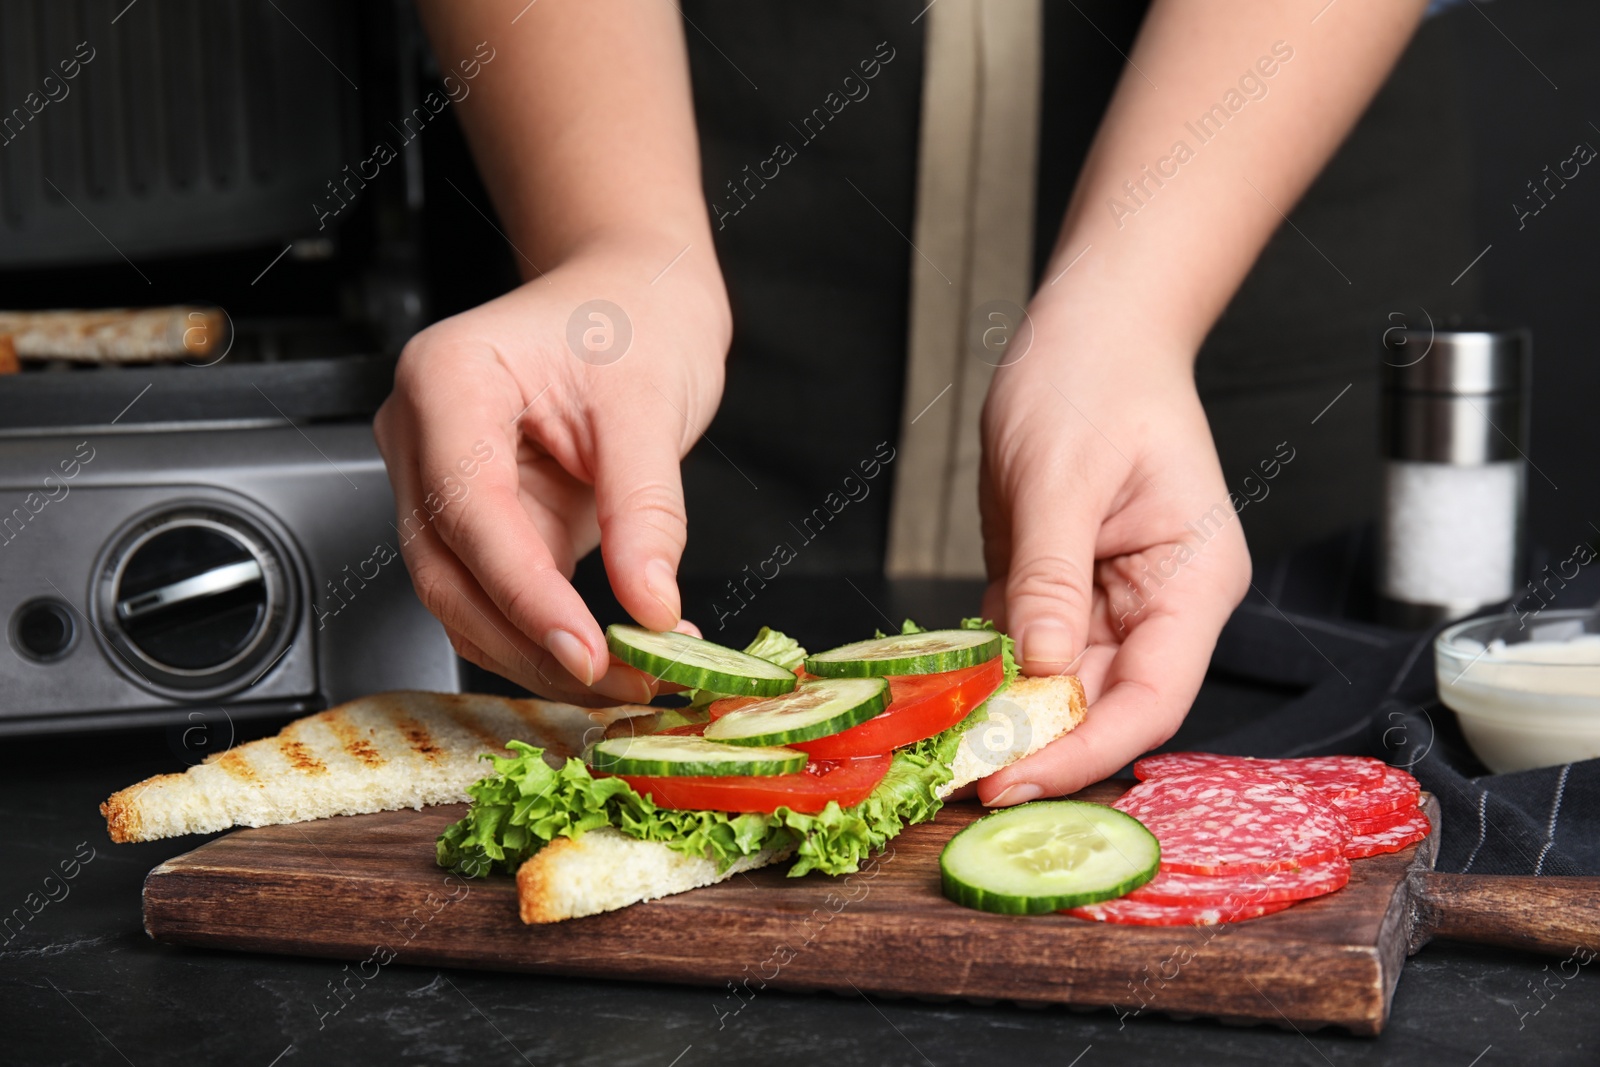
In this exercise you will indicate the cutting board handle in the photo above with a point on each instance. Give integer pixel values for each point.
(1556, 915)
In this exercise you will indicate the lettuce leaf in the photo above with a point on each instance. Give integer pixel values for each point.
(777, 647)
(836, 840)
(526, 803)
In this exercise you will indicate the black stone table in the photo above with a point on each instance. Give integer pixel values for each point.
(80, 983)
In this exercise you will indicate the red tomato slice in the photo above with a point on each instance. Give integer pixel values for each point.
(920, 705)
(847, 781)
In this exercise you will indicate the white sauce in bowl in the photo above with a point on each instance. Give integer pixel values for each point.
(1523, 704)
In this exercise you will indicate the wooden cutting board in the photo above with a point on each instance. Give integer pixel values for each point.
(365, 889)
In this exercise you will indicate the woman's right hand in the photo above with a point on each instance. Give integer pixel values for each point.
(522, 433)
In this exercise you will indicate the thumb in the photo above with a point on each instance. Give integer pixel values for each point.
(1049, 580)
(638, 492)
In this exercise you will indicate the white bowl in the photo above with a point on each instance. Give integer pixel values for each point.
(1526, 689)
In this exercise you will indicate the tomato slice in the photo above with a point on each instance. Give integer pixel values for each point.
(848, 781)
(920, 705)
(845, 767)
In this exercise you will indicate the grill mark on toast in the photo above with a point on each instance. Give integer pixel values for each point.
(300, 757)
(541, 731)
(475, 726)
(420, 740)
(237, 764)
(354, 744)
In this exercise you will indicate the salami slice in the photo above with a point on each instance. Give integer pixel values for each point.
(1130, 912)
(1241, 890)
(1164, 764)
(1398, 792)
(1216, 823)
(1331, 776)
(1394, 839)
(1379, 823)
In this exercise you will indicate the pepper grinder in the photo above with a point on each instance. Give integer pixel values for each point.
(1454, 425)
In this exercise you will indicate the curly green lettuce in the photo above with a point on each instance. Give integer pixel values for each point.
(526, 803)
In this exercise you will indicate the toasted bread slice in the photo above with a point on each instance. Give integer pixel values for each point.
(379, 753)
(1031, 713)
(605, 869)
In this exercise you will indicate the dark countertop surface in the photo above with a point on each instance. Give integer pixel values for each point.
(82, 984)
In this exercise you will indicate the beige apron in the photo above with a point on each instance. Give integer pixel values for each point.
(973, 243)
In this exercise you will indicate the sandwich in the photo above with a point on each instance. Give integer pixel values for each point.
(778, 755)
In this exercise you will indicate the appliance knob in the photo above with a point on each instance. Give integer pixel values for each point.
(196, 599)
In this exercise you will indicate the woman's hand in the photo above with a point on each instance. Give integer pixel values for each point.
(1112, 549)
(522, 433)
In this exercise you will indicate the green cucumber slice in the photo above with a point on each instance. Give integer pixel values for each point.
(678, 755)
(814, 710)
(1047, 855)
(696, 663)
(931, 652)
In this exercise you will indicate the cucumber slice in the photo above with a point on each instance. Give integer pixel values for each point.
(698, 664)
(677, 755)
(926, 653)
(1047, 855)
(814, 710)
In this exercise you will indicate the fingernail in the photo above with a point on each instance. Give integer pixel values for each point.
(628, 686)
(571, 654)
(1047, 641)
(1020, 793)
(662, 581)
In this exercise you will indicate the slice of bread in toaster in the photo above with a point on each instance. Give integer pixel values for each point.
(378, 753)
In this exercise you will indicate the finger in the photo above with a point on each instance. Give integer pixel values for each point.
(966, 792)
(1092, 669)
(1142, 707)
(560, 506)
(430, 564)
(470, 652)
(1049, 583)
(482, 635)
(1149, 685)
(628, 684)
(453, 594)
(480, 518)
(639, 499)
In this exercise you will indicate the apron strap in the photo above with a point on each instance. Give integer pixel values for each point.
(973, 237)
